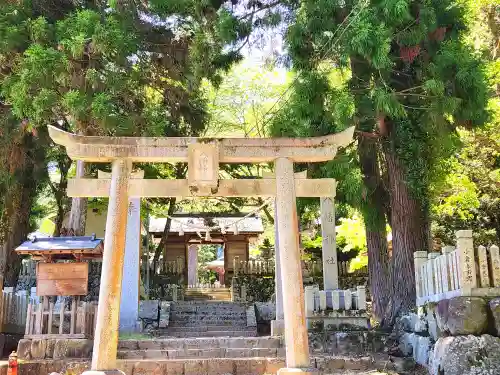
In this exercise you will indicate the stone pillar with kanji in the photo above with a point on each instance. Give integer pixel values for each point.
(329, 249)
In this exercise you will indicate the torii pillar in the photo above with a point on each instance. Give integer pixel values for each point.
(296, 339)
(129, 303)
(108, 312)
(278, 324)
(203, 157)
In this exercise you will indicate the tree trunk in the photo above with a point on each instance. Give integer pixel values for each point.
(60, 192)
(375, 197)
(162, 246)
(375, 225)
(410, 233)
(78, 214)
(17, 230)
(24, 164)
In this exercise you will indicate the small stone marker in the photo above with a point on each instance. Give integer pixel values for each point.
(467, 264)
(495, 265)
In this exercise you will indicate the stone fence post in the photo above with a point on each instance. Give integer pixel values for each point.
(419, 258)
(361, 297)
(495, 265)
(309, 300)
(175, 294)
(467, 263)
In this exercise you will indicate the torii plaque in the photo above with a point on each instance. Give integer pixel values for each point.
(204, 155)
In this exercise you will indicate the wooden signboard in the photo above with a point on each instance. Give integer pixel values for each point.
(62, 279)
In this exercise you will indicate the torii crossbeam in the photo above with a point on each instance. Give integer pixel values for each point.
(203, 157)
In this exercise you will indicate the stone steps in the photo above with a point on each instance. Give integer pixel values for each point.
(187, 348)
(206, 306)
(217, 366)
(242, 333)
(200, 343)
(208, 319)
(202, 353)
(207, 315)
(212, 294)
(209, 322)
(206, 328)
(207, 312)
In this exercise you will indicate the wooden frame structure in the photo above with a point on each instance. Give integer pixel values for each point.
(81, 319)
(203, 157)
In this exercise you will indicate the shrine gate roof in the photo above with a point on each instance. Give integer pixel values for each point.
(193, 223)
(171, 149)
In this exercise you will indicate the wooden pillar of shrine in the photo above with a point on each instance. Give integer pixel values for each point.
(296, 339)
(108, 314)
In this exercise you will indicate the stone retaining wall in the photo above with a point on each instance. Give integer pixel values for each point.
(459, 336)
(38, 349)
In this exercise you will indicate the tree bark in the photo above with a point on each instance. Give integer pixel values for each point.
(375, 225)
(60, 191)
(16, 231)
(162, 246)
(24, 162)
(410, 233)
(375, 197)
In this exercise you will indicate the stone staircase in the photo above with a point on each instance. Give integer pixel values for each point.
(215, 366)
(201, 348)
(204, 294)
(210, 319)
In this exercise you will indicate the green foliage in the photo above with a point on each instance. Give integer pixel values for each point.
(266, 249)
(242, 104)
(469, 197)
(421, 98)
(128, 69)
(258, 288)
(206, 254)
(351, 231)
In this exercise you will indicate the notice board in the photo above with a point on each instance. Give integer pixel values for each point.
(62, 279)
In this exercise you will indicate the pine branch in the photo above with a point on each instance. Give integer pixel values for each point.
(259, 9)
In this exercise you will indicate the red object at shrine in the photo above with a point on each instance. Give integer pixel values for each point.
(220, 271)
(12, 369)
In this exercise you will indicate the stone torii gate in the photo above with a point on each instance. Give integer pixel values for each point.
(203, 157)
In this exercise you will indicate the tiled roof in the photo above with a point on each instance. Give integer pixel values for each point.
(192, 224)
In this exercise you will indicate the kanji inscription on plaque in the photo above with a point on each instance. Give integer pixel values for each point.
(203, 166)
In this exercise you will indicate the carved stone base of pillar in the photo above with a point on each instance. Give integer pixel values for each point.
(277, 327)
(103, 372)
(303, 371)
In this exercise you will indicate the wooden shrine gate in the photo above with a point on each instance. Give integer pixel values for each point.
(203, 157)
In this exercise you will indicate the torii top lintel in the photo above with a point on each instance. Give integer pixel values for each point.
(175, 149)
